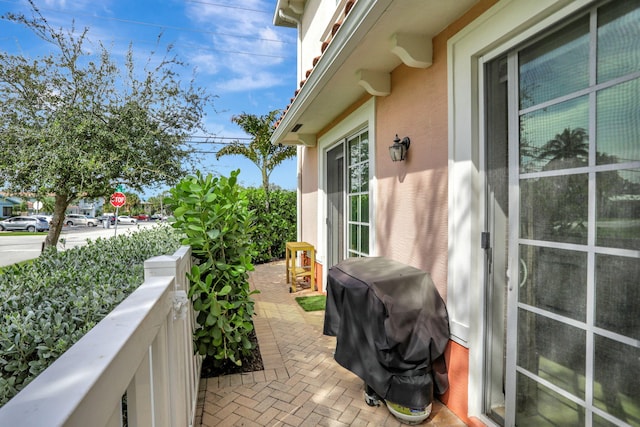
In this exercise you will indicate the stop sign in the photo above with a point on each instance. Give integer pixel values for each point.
(118, 200)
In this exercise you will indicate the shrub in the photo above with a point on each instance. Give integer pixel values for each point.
(213, 213)
(49, 304)
(274, 228)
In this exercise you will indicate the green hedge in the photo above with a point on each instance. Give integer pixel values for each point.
(213, 214)
(275, 228)
(48, 305)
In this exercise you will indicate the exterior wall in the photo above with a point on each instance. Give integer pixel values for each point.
(308, 193)
(457, 359)
(317, 20)
(412, 208)
(412, 224)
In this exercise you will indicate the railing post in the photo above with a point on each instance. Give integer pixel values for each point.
(140, 395)
(184, 366)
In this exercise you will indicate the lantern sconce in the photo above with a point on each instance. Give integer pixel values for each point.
(398, 151)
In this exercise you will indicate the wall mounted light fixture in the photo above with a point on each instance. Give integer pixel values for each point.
(398, 151)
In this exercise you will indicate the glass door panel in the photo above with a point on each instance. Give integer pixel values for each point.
(497, 214)
(575, 230)
(335, 205)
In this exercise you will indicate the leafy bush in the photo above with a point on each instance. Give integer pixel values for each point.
(274, 228)
(213, 213)
(49, 304)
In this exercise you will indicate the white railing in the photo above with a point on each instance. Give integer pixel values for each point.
(143, 347)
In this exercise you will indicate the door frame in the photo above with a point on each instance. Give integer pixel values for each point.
(495, 32)
(361, 118)
(340, 144)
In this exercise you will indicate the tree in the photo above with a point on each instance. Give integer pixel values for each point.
(74, 124)
(133, 203)
(260, 151)
(570, 144)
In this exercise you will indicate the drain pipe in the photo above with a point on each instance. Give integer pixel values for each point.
(298, 23)
(296, 7)
(289, 18)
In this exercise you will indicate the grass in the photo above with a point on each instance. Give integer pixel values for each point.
(22, 233)
(312, 303)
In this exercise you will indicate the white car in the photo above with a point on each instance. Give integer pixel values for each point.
(77, 219)
(126, 219)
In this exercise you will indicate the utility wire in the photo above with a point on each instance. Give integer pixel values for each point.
(227, 6)
(162, 26)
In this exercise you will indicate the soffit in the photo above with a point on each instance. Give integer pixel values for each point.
(363, 41)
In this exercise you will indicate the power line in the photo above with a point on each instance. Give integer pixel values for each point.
(227, 6)
(164, 26)
(246, 138)
(210, 49)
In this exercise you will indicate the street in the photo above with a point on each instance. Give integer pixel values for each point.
(14, 249)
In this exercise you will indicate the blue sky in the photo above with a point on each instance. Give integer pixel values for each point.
(237, 53)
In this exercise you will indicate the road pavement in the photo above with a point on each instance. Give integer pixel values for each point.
(15, 248)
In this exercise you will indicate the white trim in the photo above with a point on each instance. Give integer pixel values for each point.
(299, 153)
(363, 116)
(362, 18)
(498, 30)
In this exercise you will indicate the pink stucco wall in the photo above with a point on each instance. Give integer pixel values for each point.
(309, 196)
(411, 222)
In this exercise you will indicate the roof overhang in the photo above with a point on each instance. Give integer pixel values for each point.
(375, 38)
(288, 13)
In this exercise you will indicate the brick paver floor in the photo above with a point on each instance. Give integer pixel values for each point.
(301, 384)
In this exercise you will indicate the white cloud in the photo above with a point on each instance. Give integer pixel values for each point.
(247, 43)
(249, 81)
(206, 63)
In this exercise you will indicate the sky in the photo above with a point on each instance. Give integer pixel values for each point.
(236, 52)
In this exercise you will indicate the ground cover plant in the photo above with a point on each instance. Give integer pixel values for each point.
(49, 304)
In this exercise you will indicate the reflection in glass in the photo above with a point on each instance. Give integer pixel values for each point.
(618, 35)
(601, 422)
(618, 209)
(618, 295)
(353, 201)
(554, 208)
(552, 350)
(354, 179)
(616, 386)
(354, 151)
(554, 280)
(555, 66)
(358, 189)
(364, 239)
(364, 147)
(618, 123)
(555, 137)
(353, 237)
(364, 208)
(536, 406)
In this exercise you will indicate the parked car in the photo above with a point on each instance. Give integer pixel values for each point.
(142, 217)
(48, 218)
(126, 219)
(77, 219)
(27, 223)
(110, 217)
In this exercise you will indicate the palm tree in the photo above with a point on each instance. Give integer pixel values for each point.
(260, 151)
(570, 144)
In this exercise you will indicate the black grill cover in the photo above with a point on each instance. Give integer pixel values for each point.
(391, 327)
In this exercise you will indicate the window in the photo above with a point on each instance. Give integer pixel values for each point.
(358, 195)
